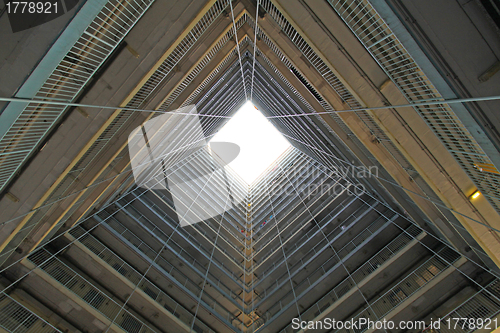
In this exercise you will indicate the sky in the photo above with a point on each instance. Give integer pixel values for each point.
(260, 142)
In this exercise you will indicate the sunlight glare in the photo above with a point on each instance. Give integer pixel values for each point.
(260, 142)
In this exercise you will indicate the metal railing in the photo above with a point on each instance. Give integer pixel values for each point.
(313, 253)
(69, 182)
(66, 81)
(184, 282)
(474, 311)
(16, 318)
(368, 121)
(411, 284)
(359, 275)
(87, 292)
(131, 274)
(205, 252)
(306, 285)
(379, 40)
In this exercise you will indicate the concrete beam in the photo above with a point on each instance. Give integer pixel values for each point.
(122, 287)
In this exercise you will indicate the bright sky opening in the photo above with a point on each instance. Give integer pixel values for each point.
(260, 142)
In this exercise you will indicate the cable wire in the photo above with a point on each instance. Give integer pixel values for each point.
(124, 108)
(254, 47)
(238, 48)
(375, 108)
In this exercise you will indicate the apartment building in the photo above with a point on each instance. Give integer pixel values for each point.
(384, 207)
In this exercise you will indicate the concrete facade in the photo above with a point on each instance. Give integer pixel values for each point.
(85, 250)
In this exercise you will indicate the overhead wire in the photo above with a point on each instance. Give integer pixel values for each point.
(238, 48)
(92, 106)
(296, 115)
(375, 108)
(52, 255)
(393, 183)
(405, 217)
(385, 107)
(100, 182)
(381, 178)
(251, 95)
(397, 185)
(254, 47)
